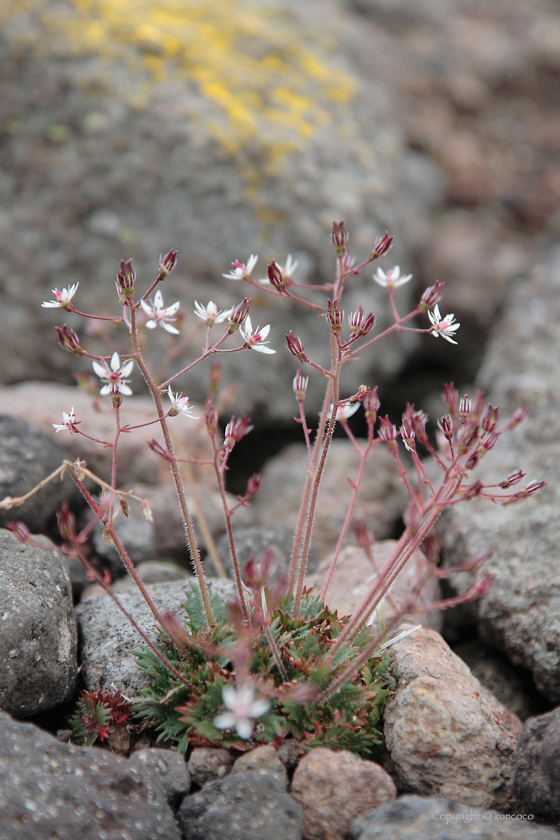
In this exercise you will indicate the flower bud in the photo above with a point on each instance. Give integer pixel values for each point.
(238, 314)
(445, 423)
(468, 435)
(490, 418)
(296, 347)
(235, 431)
(381, 247)
(334, 316)
(431, 547)
(451, 398)
(407, 434)
(364, 537)
(211, 418)
(371, 405)
(20, 531)
(518, 417)
(66, 522)
(126, 278)
(253, 486)
(275, 277)
(430, 297)
(166, 264)
(360, 325)
(464, 410)
(158, 449)
(534, 487)
(68, 340)
(300, 386)
(388, 433)
(339, 237)
(474, 490)
(512, 479)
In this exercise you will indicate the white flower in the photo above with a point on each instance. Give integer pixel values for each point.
(392, 279)
(287, 271)
(180, 405)
(63, 298)
(240, 270)
(115, 375)
(210, 313)
(243, 706)
(68, 421)
(443, 326)
(159, 314)
(255, 339)
(343, 412)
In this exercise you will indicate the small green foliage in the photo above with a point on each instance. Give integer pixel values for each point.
(96, 712)
(184, 714)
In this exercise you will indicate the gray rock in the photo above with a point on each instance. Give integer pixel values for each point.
(49, 789)
(243, 806)
(538, 767)
(217, 187)
(27, 456)
(38, 649)
(416, 818)
(381, 501)
(520, 613)
(447, 735)
(262, 759)
(107, 638)
(152, 571)
(167, 768)
(255, 541)
(209, 764)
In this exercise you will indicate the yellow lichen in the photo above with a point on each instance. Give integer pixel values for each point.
(268, 84)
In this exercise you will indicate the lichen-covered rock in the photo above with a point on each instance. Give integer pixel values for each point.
(334, 788)
(209, 764)
(263, 759)
(50, 789)
(38, 647)
(446, 733)
(166, 768)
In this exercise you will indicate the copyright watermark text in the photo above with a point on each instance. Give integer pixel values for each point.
(476, 816)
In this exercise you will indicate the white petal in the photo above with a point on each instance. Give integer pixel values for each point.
(171, 310)
(151, 325)
(244, 728)
(115, 361)
(259, 708)
(126, 369)
(99, 369)
(158, 300)
(147, 308)
(225, 721)
(169, 328)
(260, 348)
(124, 389)
(105, 390)
(265, 331)
(230, 696)
(50, 304)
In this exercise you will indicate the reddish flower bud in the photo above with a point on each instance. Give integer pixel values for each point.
(360, 325)
(477, 560)
(381, 247)
(371, 405)
(158, 449)
(235, 431)
(468, 435)
(296, 347)
(388, 433)
(126, 278)
(431, 547)
(275, 277)
(451, 397)
(474, 490)
(445, 423)
(253, 486)
(490, 418)
(472, 460)
(238, 314)
(412, 517)
(488, 441)
(68, 340)
(334, 316)
(364, 537)
(66, 522)
(300, 386)
(430, 297)
(518, 417)
(512, 479)
(407, 434)
(464, 410)
(211, 418)
(534, 487)
(167, 264)
(20, 531)
(339, 237)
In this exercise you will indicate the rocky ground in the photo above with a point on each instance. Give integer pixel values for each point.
(437, 119)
